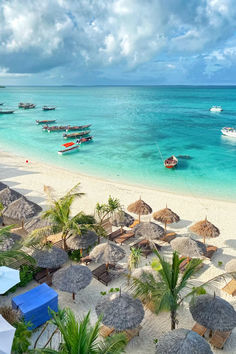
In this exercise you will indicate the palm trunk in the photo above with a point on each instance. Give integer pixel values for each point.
(173, 319)
(63, 236)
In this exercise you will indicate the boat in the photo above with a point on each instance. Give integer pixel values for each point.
(85, 140)
(76, 135)
(171, 162)
(45, 121)
(26, 105)
(78, 127)
(229, 132)
(72, 147)
(2, 103)
(6, 112)
(216, 109)
(55, 128)
(48, 108)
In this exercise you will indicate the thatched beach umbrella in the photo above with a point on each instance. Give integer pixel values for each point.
(188, 247)
(120, 311)
(72, 279)
(121, 218)
(182, 341)
(230, 267)
(139, 273)
(213, 313)
(50, 258)
(9, 241)
(2, 186)
(37, 223)
(140, 208)
(205, 229)
(80, 242)
(149, 231)
(107, 253)
(21, 210)
(7, 196)
(165, 216)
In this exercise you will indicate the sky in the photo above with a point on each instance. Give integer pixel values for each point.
(117, 42)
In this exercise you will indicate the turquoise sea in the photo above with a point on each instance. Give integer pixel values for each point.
(130, 126)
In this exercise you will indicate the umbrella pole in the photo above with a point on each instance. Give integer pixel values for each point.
(139, 218)
(204, 239)
(165, 227)
(73, 296)
(81, 252)
(107, 266)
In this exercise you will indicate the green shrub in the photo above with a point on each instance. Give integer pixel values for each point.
(26, 275)
(75, 255)
(220, 263)
(21, 341)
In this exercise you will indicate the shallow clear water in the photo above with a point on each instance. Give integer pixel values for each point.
(130, 125)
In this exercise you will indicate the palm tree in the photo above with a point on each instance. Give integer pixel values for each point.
(134, 260)
(82, 338)
(104, 211)
(165, 294)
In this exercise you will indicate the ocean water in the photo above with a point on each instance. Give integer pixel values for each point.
(134, 128)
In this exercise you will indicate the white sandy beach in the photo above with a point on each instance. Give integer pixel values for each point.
(30, 178)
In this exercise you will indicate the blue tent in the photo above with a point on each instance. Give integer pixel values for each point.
(34, 304)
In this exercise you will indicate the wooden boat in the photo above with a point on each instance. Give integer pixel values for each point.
(76, 135)
(47, 108)
(6, 112)
(45, 121)
(85, 140)
(78, 127)
(26, 105)
(2, 103)
(55, 128)
(171, 162)
(71, 148)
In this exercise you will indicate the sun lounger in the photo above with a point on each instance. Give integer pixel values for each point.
(230, 288)
(105, 331)
(218, 339)
(97, 272)
(183, 265)
(105, 278)
(131, 333)
(136, 222)
(124, 237)
(86, 260)
(169, 237)
(199, 329)
(211, 251)
(115, 234)
(144, 246)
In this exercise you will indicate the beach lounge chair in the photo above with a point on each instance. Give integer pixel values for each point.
(199, 329)
(124, 237)
(112, 236)
(211, 251)
(145, 247)
(218, 339)
(230, 288)
(169, 237)
(105, 278)
(131, 333)
(105, 331)
(136, 222)
(86, 260)
(99, 271)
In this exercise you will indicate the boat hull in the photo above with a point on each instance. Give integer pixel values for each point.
(171, 162)
(69, 151)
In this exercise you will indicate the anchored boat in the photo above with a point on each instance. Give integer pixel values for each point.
(69, 148)
(26, 105)
(85, 140)
(171, 162)
(45, 121)
(229, 132)
(216, 109)
(76, 135)
(78, 127)
(6, 112)
(47, 108)
(55, 128)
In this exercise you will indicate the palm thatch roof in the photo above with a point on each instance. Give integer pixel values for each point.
(213, 313)
(72, 278)
(182, 341)
(165, 216)
(7, 196)
(37, 223)
(188, 247)
(140, 273)
(77, 242)
(149, 231)
(2, 186)
(107, 252)
(122, 218)
(50, 258)
(9, 241)
(230, 267)
(205, 228)
(21, 210)
(120, 311)
(140, 208)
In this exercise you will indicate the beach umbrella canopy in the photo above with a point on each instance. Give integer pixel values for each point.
(7, 196)
(9, 241)
(21, 210)
(213, 313)
(149, 231)
(205, 229)
(2, 186)
(8, 278)
(188, 247)
(72, 279)
(231, 267)
(120, 311)
(77, 242)
(140, 208)
(139, 273)
(50, 258)
(165, 216)
(107, 252)
(37, 223)
(122, 218)
(182, 341)
(7, 333)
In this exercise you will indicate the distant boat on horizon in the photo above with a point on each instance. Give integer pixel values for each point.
(216, 109)
(6, 112)
(48, 108)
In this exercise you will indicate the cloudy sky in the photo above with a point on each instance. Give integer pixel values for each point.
(93, 42)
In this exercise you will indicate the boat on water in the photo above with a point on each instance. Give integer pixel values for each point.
(45, 121)
(85, 140)
(216, 109)
(229, 132)
(48, 108)
(171, 162)
(1, 103)
(55, 128)
(78, 127)
(26, 105)
(76, 135)
(6, 111)
(69, 148)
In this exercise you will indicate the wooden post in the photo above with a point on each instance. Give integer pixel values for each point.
(73, 296)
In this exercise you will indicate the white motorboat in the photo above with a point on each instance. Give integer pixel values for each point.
(229, 132)
(216, 109)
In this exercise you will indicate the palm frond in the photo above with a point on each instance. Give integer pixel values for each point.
(113, 345)
(7, 256)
